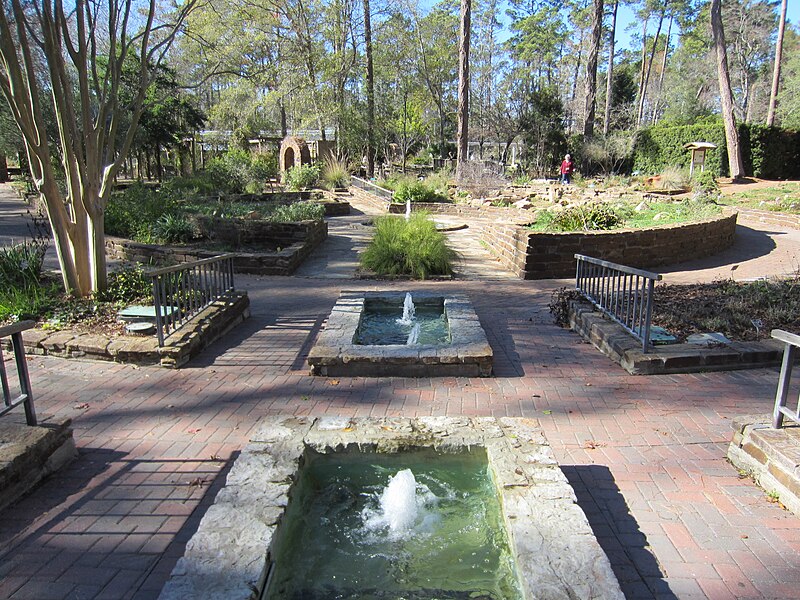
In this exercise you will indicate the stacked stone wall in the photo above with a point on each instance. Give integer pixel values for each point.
(537, 255)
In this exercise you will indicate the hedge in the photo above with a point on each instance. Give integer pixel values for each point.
(768, 152)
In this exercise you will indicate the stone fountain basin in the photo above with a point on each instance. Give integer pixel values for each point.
(337, 355)
(557, 554)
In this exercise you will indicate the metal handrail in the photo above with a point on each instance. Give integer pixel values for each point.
(25, 397)
(792, 342)
(181, 292)
(623, 293)
(371, 187)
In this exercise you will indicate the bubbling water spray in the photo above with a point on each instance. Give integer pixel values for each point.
(413, 336)
(401, 509)
(409, 312)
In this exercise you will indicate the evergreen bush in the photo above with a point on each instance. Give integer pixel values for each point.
(408, 247)
(301, 177)
(768, 152)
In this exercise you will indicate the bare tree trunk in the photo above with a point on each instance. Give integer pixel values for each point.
(284, 126)
(610, 70)
(654, 116)
(646, 77)
(776, 70)
(577, 69)
(370, 93)
(591, 69)
(644, 64)
(462, 134)
(726, 96)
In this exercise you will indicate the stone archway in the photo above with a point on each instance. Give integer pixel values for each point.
(294, 152)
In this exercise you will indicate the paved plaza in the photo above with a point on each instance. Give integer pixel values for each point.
(645, 455)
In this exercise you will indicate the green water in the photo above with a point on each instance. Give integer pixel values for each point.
(379, 324)
(332, 545)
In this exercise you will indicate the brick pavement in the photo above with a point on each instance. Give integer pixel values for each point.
(646, 456)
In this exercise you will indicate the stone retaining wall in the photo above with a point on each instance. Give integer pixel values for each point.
(208, 326)
(537, 255)
(29, 454)
(621, 347)
(769, 456)
(769, 217)
(294, 241)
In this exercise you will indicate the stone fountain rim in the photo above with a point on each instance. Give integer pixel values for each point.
(556, 552)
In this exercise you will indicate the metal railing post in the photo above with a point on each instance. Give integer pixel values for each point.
(792, 343)
(183, 291)
(26, 396)
(623, 293)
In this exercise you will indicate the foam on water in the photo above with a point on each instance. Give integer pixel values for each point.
(402, 509)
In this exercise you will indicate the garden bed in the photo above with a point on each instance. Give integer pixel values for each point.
(333, 206)
(621, 347)
(268, 248)
(211, 324)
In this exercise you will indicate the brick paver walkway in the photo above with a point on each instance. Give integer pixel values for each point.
(646, 455)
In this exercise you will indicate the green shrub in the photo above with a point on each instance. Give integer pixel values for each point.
(132, 212)
(658, 147)
(705, 182)
(590, 217)
(769, 152)
(418, 191)
(335, 173)
(28, 302)
(299, 211)
(301, 177)
(128, 284)
(21, 264)
(172, 228)
(412, 247)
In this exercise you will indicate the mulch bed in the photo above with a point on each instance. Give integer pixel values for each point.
(746, 311)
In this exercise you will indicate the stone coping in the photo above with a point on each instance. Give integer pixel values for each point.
(620, 346)
(211, 324)
(770, 456)
(28, 454)
(557, 554)
(335, 354)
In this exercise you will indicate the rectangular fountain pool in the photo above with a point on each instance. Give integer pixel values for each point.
(386, 322)
(414, 525)
(270, 528)
(384, 334)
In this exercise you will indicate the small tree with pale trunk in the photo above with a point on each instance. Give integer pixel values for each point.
(75, 56)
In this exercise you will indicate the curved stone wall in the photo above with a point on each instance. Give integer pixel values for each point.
(537, 255)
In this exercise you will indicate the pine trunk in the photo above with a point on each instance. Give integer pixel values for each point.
(463, 89)
(610, 70)
(370, 93)
(776, 70)
(726, 96)
(591, 69)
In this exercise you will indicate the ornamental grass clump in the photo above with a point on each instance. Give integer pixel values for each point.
(335, 173)
(412, 247)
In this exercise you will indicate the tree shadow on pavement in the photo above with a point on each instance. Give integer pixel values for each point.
(618, 533)
(748, 244)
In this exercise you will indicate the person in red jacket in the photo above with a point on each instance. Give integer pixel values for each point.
(567, 168)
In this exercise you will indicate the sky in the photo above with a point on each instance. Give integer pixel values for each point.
(625, 17)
